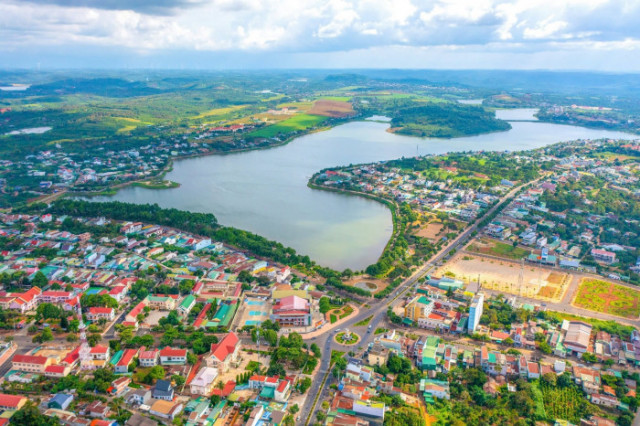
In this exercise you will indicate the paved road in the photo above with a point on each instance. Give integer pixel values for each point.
(110, 333)
(25, 345)
(378, 309)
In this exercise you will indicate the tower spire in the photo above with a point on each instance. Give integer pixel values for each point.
(85, 350)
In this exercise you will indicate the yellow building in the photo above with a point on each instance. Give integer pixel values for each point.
(418, 307)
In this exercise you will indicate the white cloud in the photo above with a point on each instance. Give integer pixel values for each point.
(295, 26)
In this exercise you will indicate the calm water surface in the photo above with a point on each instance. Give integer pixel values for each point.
(517, 114)
(266, 191)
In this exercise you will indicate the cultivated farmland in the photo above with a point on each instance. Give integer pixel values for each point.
(332, 108)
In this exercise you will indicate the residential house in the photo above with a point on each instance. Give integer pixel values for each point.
(434, 388)
(170, 356)
(120, 385)
(97, 313)
(97, 409)
(149, 358)
(139, 396)
(127, 358)
(165, 409)
(60, 401)
(163, 390)
(204, 381)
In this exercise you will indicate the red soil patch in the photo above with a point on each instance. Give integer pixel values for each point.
(329, 108)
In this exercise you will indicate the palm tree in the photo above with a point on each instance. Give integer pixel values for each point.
(116, 403)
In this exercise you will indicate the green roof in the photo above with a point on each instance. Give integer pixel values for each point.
(267, 392)
(424, 300)
(225, 314)
(187, 301)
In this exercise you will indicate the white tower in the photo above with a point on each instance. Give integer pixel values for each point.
(85, 350)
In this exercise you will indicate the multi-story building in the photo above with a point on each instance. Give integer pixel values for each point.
(475, 312)
(292, 311)
(31, 363)
(224, 353)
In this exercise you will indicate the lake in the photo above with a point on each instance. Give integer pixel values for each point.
(266, 191)
(517, 114)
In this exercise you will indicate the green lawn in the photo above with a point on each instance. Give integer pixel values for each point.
(297, 122)
(610, 298)
(348, 310)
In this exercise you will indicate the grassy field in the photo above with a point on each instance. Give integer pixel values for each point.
(295, 123)
(609, 298)
(218, 112)
(499, 249)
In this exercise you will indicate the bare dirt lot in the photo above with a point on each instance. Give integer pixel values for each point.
(330, 108)
(432, 231)
(504, 276)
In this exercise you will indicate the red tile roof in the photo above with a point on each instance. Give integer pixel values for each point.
(30, 359)
(148, 354)
(225, 347)
(99, 349)
(135, 311)
(282, 386)
(56, 293)
(99, 310)
(72, 356)
(55, 369)
(173, 352)
(10, 400)
(127, 357)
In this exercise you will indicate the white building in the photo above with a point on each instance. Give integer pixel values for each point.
(203, 383)
(475, 312)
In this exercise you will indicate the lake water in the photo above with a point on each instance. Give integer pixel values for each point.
(517, 114)
(266, 191)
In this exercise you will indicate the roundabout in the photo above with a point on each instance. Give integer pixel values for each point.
(347, 338)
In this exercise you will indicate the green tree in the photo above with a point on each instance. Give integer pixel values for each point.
(40, 280)
(29, 416)
(156, 373)
(178, 380)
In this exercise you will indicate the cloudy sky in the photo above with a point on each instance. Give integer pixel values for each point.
(466, 34)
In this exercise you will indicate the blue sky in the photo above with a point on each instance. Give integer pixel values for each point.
(453, 34)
